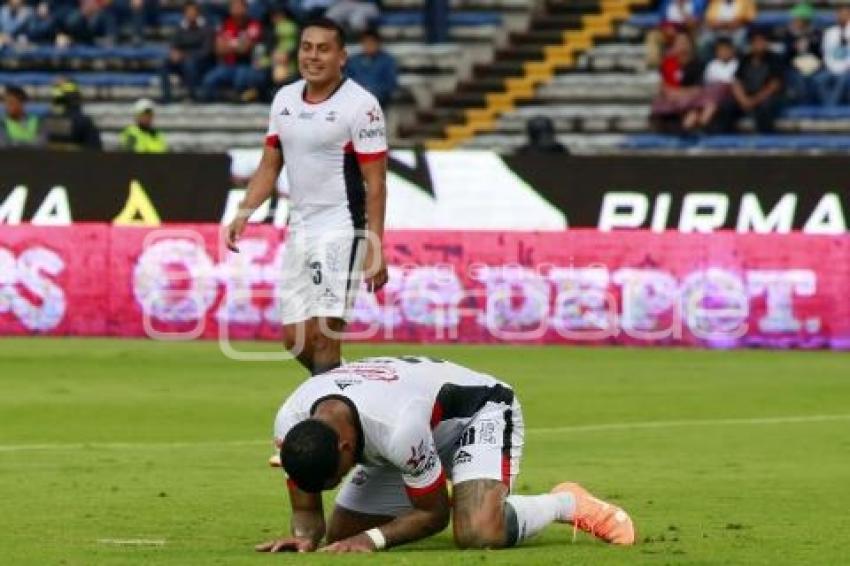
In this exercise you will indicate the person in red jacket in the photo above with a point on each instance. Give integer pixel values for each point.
(234, 47)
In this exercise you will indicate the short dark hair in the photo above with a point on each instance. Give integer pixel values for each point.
(758, 31)
(16, 92)
(724, 41)
(371, 33)
(310, 455)
(324, 23)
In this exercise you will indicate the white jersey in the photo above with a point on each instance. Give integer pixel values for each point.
(323, 145)
(410, 409)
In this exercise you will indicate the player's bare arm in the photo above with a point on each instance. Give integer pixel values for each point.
(375, 176)
(429, 516)
(260, 188)
(307, 527)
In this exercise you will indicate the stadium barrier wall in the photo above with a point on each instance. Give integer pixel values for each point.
(450, 190)
(577, 286)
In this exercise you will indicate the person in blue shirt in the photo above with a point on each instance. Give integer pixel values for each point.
(373, 68)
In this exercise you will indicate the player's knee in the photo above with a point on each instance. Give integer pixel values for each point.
(479, 530)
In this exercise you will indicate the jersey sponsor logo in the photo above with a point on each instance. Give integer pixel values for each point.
(422, 460)
(360, 477)
(374, 115)
(468, 436)
(374, 372)
(462, 457)
(345, 382)
(328, 297)
(304, 115)
(371, 133)
(488, 432)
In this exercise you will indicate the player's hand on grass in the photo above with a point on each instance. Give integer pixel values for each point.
(287, 544)
(359, 543)
(235, 229)
(376, 267)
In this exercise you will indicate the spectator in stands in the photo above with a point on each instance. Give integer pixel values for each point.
(802, 48)
(311, 9)
(18, 127)
(234, 48)
(135, 14)
(726, 18)
(43, 25)
(373, 68)
(283, 42)
(91, 24)
(142, 136)
(15, 17)
(680, 91)
(542, 137)
(355, 16)
(833, 85)
(659, 42)
(685, 14)
(757, 88)
(67, 126)
(717, 86)
(435, 16)
(675, 16)
(191, 52)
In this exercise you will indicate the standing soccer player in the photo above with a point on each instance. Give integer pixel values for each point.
(331, 133)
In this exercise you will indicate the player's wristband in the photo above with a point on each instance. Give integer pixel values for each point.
(378, 538)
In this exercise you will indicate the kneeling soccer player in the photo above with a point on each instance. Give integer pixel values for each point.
(406, 424)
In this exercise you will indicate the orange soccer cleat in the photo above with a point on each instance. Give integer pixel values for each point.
(602, 520)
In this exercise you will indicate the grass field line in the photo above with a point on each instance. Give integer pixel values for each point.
(537, 430)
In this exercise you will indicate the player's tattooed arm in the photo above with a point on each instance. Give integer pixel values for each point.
(308, 516)
(430, 515)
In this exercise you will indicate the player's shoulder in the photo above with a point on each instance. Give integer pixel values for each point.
(354, 92)
(289, 92)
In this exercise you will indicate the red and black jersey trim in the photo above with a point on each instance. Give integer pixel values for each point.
(355, 189)
(463, 401)
(328, 97)
(507, 445)
(421, 491)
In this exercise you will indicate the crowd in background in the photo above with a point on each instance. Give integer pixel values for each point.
(221, 50)
(245, 58)
(716, 66)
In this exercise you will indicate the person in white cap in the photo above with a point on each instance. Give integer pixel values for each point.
(142, 136)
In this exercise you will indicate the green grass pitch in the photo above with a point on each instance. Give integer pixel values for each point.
(731, 457)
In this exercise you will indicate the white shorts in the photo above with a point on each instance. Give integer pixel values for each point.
(321, 275)
(488, 447)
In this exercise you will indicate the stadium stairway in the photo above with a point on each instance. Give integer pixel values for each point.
(601, 104)
(558, 31)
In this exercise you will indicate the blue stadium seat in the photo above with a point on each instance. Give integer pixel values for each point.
(127, 53)
(34, 108)
(817, 113)
(768, 18)
(36, 79)
(414, 18)
(826, 142)
(654, 141)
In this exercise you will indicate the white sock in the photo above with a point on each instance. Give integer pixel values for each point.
(527, 515)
